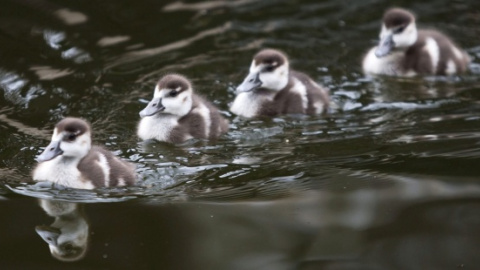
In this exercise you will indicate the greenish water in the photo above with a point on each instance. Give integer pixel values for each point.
(388, 180)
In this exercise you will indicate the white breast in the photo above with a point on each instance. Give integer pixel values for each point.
(387, 65)
(56, 171)
(248, 104)
(158, 128)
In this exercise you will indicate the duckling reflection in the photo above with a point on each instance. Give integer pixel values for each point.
(67, 236)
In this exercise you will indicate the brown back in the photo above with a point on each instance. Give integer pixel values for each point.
(315, 93)
(194, 123)
(287, 101)
(417, 59)
(119, 169)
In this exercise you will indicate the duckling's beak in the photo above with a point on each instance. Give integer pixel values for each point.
(50, 152)
(152, 108)
(49, 234)
(385, 46)
(251, 82)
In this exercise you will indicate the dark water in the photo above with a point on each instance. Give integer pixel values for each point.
(388, 180)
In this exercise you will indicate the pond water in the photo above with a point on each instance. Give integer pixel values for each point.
(388, 180)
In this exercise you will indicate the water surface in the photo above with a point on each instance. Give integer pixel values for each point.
(388, 180)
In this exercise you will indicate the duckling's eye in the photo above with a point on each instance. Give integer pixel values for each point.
(71, 137)
(399, 30)
(173, 94)
(269, 68)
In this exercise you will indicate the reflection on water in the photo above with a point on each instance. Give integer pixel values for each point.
(360, 230)
(353, 220)
(388, 180)
(67, 236)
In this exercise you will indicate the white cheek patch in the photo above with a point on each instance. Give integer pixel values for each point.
(407, 37)
(179, 105)
(275, 80)
(84, 142)
(172, 102)
(78, 148)
(84, 139)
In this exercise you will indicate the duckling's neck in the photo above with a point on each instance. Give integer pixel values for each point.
(162, 117)
(69, 161)
(157, 127)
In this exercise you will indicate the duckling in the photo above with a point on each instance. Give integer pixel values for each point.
(67, 236)
(405, 50)
(71, 160)
(272, 88)
(176, 114)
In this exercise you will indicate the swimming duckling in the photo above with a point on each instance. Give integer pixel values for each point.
(72, 161)
(405, 51)
(272, 88)
(177, 114)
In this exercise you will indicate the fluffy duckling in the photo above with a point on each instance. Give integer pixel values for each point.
(405, 50)
(177, 114)
(72, 161)
(272, 88)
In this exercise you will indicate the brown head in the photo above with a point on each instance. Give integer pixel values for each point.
(397, 17)
(172, 95)
(73, 126)
(399, 31)
(270, 58)
(269, 70)
(71, 138)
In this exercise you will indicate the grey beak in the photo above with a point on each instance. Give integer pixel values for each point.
(152, 108)
(385, 47)
(50, 152)
(48, 234)
(251, 82)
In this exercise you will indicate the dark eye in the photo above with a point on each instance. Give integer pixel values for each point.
(269, 68)
(173, 94)
(71, 137)
(399, 30)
